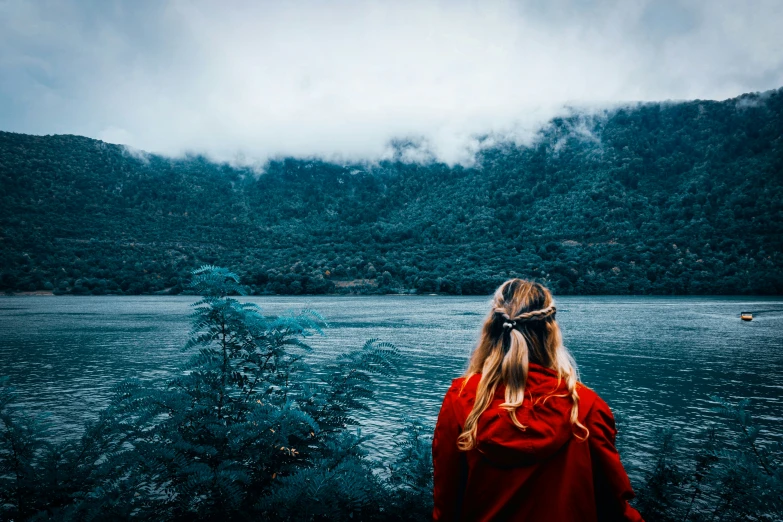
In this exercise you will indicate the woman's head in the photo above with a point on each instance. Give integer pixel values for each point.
(520, 328)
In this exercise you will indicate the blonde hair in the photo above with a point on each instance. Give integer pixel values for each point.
(520, 327)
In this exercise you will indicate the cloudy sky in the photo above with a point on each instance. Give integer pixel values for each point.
(341, 79)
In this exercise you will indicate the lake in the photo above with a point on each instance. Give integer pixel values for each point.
(655, 360)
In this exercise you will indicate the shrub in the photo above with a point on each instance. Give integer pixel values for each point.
(733, 476)
(243, 431)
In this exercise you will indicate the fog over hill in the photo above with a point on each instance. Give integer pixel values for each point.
(660, 198)
(248, 81)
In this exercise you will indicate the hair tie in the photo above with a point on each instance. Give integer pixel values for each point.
(510, 325)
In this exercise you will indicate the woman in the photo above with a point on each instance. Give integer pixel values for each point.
(518, 436)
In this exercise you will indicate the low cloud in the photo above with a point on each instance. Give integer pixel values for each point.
(347, 80)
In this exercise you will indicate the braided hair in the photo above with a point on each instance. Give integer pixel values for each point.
(520, 328)
(533, 315)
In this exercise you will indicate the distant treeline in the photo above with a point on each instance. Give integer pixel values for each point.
(663, 198)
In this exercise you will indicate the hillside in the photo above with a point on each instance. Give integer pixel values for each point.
(670, 198)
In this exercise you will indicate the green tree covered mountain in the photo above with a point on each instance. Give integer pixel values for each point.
(660, 198)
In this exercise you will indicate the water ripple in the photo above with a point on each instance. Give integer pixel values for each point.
(654, 360)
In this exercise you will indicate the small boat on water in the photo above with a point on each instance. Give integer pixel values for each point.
(746, 316)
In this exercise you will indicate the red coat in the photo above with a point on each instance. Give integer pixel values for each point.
(541, 474)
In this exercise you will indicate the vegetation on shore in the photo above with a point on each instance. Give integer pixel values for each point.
(246, 431)
(243, 431)
(659, 198)
(730, 474)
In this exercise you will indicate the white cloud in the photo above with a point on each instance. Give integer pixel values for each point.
(341, 80)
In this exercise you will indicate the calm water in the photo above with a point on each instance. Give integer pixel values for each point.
(654, 360)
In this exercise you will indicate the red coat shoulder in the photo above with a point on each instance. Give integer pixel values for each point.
(461, 383)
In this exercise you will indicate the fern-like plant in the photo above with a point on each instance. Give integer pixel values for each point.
(732, 475)
(243, 431)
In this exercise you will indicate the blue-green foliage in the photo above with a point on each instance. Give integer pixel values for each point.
(242, 432)
(655, 198)
(733, 476)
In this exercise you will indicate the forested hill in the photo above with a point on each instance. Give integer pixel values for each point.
(682, 198)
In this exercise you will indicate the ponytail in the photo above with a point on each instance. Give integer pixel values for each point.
(514, 371)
